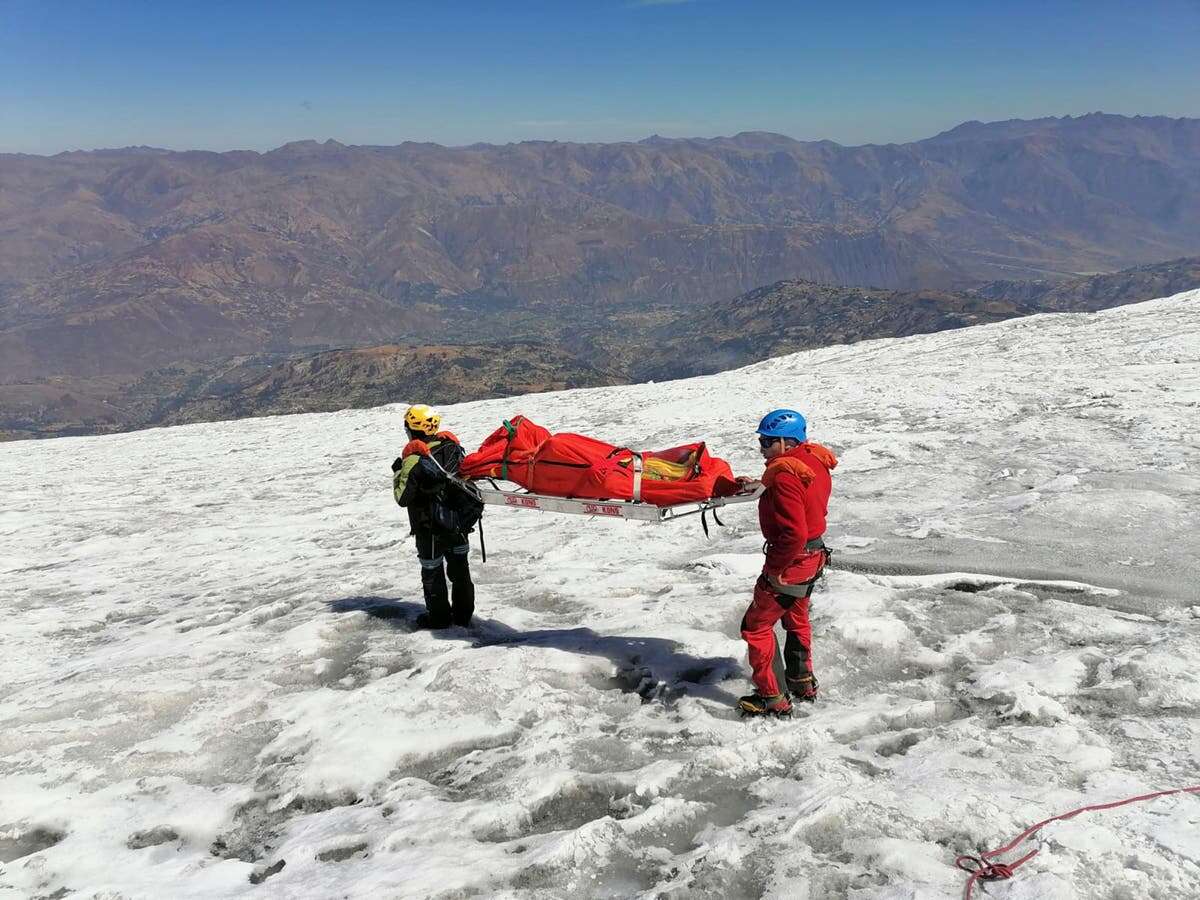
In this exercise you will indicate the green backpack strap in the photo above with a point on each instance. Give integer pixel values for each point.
(512, 432)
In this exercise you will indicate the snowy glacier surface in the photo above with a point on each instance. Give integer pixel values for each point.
(211, 685)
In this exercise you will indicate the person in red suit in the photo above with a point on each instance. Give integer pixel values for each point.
(791, 513)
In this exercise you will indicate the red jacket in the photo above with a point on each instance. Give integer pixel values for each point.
(792, 510)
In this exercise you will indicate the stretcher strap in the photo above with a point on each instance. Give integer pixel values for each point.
(636, 464)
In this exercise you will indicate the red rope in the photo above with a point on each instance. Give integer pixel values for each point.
(983, 869)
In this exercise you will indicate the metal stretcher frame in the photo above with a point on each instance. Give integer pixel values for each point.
(617, 509)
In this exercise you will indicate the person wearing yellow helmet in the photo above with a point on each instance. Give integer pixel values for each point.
(421, 420)
(419, 478)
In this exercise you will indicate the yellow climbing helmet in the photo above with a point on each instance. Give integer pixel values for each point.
(422, 419)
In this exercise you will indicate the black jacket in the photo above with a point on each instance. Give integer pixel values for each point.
(416, 479)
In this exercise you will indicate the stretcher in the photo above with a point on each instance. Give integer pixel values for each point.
(634, 510)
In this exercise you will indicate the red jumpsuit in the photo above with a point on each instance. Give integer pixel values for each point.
(791, 513)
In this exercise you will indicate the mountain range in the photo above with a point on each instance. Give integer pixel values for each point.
(118, 264)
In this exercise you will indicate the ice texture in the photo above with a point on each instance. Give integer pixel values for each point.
(211, 685)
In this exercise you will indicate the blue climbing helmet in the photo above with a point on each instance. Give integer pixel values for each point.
(784, 423)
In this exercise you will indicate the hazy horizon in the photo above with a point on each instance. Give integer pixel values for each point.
(533, 140)
(226, 77)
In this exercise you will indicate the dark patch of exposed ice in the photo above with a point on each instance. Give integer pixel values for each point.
(16, 842)
(152, 837)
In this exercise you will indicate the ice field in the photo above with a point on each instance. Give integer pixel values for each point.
(211, 686)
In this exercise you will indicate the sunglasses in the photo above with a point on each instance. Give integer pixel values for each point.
(766, 441)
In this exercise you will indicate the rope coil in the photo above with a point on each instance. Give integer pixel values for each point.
(983, 869)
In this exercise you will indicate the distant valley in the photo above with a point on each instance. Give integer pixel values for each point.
(630, 346)
(142, 286)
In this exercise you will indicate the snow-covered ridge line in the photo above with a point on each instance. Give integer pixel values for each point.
(209, 664)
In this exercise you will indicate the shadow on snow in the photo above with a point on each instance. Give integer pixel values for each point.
(653, 667)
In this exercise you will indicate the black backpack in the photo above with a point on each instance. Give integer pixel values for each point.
(456, 507)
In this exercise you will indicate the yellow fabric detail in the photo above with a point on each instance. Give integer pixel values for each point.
(656, 469)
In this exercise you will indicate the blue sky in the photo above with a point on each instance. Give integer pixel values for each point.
(222, 75)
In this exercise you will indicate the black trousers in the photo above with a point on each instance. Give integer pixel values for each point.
(444, 555)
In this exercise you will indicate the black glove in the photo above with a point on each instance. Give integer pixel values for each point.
(397, 463)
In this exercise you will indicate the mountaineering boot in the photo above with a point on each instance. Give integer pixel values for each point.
(803, 688)
(758, 705)
(424, 620)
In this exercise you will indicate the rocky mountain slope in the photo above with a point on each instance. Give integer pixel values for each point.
(130, 279)
(795, 315)
(1100, 291)
(634, 345)
(115, 262)
(774, 320)
(373, 376)
(790, 316)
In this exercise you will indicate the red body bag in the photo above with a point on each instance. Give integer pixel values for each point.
(573, 465)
